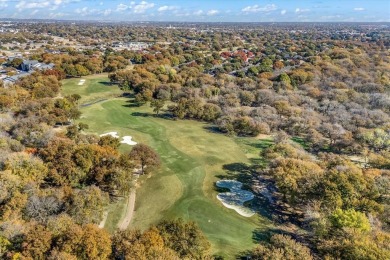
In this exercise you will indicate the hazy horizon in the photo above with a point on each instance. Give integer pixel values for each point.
(198, 11)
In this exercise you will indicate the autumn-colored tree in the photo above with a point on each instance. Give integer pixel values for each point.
(281, 247)
(132, 244)
(110, 141)
(87, 205)
(294, 177)
(145, 158)
(5, 102)
(95, 243)
(278, 65)
(184, 238)
(16, 62)
(36, 242)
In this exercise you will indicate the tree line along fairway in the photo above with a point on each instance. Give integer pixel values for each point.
(193, 159)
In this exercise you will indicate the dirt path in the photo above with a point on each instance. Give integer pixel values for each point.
(124, 223)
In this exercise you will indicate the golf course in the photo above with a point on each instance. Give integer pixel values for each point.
(193, 159)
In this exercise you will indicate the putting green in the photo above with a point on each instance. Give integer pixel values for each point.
(192, 161)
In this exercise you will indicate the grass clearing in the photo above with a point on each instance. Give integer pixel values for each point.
(95, 87)
(193, 159)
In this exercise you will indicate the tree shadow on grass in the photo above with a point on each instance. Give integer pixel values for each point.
(105, 83)
(241, 172)
(261, 235)
(264, 236)
(141, 114)
(161, 115)
(261, 144)
(213, 129)
(131, 103)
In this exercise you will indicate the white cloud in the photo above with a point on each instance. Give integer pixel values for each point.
(141, 7)
(199, 12)
(82, 11)
(167, 8)
(283, 12)
(51, 4)
(121, 7)
(30, 5)
(3, 3)
(298, 10)
(107, 12)
(212, 12)
(258, 8)
(358, 9)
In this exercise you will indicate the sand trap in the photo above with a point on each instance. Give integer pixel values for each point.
(236, 197)
(113, 134)
(127, 140)
(81, 82)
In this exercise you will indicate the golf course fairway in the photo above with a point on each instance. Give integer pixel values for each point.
(193, 159)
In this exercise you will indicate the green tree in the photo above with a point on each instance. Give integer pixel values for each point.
(377, 139)
(157, 105)
(81, 70)
(4, 245)
(284, 78)
(350, 219)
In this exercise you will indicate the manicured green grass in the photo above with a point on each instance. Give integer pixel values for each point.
(95, 87)
(116, 212)
(193, 159)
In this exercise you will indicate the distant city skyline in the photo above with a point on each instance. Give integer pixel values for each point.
(200, 10)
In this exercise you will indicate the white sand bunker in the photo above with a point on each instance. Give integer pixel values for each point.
(81, 82)
(113, 134)
(125, 140)
(236, 197)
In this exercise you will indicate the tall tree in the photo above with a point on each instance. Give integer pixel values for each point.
(145, 158)
(157, 105)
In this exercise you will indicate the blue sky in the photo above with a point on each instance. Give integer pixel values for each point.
(201, 10)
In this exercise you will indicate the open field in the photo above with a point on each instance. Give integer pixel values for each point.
(193, 157)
